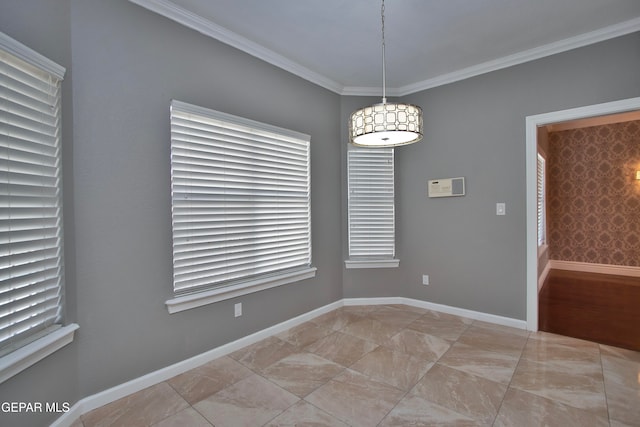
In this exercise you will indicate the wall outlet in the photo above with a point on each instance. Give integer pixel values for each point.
(237, 310)
(425, 279)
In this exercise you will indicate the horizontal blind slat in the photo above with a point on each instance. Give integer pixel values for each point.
(240, 199)
(371, 209)
(31, 259)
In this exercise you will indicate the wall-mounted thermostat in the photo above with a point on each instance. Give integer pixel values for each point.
(447, 187)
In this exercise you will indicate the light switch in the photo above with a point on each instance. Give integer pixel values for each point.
(501, 209)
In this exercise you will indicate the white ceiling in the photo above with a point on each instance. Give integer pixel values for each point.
(337, 43)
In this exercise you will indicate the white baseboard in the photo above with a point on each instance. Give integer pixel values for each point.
(475, 315)
(105, 397)
(102, 398)
(620, 270)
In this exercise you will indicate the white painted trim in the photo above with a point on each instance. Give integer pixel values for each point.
(370, 91)
(105, 397)
(191, 20)
(543, 276)
(542, 249)
(110, 395)
(571, 43)
(187, 302)
(204, 26)
(372, 263)
(29, 55)
(532, 124)
(463, 312)
(347, 302)
(278, 131)
(547, 267)
(22, 358)
(619, 270)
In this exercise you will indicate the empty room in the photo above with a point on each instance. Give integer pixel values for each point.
(281, 213)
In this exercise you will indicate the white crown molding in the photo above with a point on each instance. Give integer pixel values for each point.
(369, 91)
(191, 20)
(29, 55)
(565, 45)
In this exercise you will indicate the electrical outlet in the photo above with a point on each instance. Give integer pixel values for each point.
(237, 309)
(425, 279)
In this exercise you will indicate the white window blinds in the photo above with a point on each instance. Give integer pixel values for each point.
(371, 203)
(240, 192)
(31, 256)
(541, 201)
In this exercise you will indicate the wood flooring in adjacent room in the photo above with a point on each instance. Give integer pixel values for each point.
(596, 307)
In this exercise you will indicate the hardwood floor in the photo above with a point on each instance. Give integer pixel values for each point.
(595, 307)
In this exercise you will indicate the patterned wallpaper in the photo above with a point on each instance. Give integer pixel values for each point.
(593, 198)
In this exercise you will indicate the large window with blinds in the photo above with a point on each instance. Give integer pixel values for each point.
(371, 208)
(241, 203)
(31, 243)
(541, 205)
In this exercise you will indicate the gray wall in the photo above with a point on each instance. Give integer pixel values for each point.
(125, 64)
(128, 64)
(44, 26)
(476, 129)
(366, 282)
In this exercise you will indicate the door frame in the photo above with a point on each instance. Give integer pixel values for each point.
(532, 124)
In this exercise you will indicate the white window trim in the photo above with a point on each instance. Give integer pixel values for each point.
(372, 263)
(205, 296)
(187, 302)
(361, 261)
(31, 56)
(22, 358)
(541, 217)
(17, 361)
(542, 249)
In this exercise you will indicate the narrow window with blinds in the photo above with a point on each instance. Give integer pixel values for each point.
(371, 208)
(241, 204)
(31, 247)
(542, 239)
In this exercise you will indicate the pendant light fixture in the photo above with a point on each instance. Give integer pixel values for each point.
(387, 124)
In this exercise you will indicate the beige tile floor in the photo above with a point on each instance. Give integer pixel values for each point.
(395, 366)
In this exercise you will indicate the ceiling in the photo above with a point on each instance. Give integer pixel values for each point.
(337, 43)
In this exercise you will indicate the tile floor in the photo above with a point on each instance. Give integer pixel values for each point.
(395, 366)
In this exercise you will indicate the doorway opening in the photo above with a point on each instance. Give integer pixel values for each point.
(533, 123)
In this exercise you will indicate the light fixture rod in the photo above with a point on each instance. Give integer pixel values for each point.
(384, 63)
(385, 124)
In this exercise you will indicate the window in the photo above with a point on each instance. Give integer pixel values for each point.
(31, 247)
(371, 208)
(241, 205)
(542, 227)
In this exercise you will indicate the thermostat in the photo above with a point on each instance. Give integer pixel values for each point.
(446, 187)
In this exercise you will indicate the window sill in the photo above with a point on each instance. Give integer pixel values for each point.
(542, 249)
(372, 263)
(20, 359)
(199, 299)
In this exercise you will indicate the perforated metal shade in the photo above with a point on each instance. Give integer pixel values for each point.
(386, 125)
